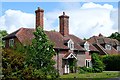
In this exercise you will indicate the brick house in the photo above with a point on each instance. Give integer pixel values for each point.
(106, 46)
(67, 46)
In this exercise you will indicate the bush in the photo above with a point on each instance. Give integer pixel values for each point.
(112, 62)
(13, 64)
(97, 64)
(85, 70)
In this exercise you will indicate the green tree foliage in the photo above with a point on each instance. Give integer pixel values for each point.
(3, 33)
(40, 55)
(84, 69)
(72, 65)
(112, 62)
(13, 66)
(31, 62)
(97, 64)
(115, 35)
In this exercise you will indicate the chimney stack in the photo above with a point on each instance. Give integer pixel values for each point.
(39, 18)
(64, 24)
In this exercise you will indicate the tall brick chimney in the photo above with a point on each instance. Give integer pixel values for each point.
(39, 17)
(64, 24)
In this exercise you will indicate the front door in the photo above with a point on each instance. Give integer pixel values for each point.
(66, 68)
(69, 64)
(72, 65)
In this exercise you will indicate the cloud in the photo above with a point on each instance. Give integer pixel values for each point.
(88, 19)
(114, 18)
(85, 20)
(91, 21)
(93, 5)
(51, 20)
(14, 19)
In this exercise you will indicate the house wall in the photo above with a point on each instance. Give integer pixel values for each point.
(87, 54)
(81, 59)
(59, 61)
(7, 43)
(16, 42)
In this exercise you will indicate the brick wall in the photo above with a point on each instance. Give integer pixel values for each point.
(81, 59)
(59, 61)
(39, 17)
(64, 24)
(16, 41)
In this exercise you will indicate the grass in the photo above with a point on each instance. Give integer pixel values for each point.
(92, 76)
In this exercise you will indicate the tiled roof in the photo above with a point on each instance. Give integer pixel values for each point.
(92, 48)
(68, 55)
(97, 41)
(103, 40)
(57, 39)
(76, 41)
(12, 35)
(25, 36)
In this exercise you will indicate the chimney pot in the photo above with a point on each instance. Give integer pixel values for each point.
(63, 13)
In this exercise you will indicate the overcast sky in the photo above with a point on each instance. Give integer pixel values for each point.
(86, 18)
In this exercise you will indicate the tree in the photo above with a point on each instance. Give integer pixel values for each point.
(97, 64)
(115, 35)
(13, 66)
(40, 54)
(3, 33)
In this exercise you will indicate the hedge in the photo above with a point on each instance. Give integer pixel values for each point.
(111, 62)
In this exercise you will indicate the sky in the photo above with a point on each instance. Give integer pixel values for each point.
(86, 18)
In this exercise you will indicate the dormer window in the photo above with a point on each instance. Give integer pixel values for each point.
(71, 44)
(11, 42)
(108, 47)
(86, 46)
(118, 48)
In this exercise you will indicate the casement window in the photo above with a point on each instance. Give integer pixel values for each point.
(118, 48)
(11, 42)
(108, 47)
(88, 63)
(86, 46)
(71, 44)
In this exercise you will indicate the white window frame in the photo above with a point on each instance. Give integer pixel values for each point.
(108, 47)
(11, 42)
(87, 46)
(118, 48)
(88, 63)
(70, 44)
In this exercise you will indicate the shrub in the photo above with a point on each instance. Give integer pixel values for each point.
(85, 70)
(97, 64)
(112, 62)
(13, 65)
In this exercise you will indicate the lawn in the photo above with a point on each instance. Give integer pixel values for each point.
(92, 76)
